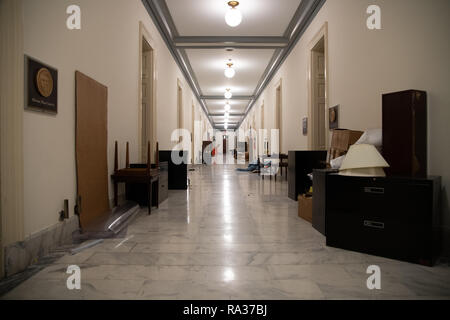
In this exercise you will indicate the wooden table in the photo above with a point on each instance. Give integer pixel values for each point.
(137, 175)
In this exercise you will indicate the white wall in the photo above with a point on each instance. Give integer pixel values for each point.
(410, 52)
(106, 49)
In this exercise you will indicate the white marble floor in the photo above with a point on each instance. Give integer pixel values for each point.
(230, 236)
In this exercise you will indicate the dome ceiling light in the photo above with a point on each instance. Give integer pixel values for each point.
(227, 106)
(233, 16)
(228, 94)
(229, 71)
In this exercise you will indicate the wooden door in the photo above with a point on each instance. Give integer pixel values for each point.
(224, 145)
(319, 99)
(91, 150)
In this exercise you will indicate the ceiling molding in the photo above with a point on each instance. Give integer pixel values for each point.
(160, 14)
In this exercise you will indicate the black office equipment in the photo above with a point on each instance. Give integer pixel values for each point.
(319, 198)
(177, 175)
(393, 217)
(300, 164)
(405, 133)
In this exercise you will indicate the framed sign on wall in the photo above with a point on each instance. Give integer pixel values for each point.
(305, 126)
(333, 117)
(41, 86)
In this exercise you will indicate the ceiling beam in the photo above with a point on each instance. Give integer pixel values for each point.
(215, 42)
(222, 114)
(223, 98)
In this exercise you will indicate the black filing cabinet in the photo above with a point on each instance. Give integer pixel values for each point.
(177, 169)
(300, 164)
(393, 217)
(319, 198)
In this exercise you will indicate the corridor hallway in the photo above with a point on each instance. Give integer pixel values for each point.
(232, 235)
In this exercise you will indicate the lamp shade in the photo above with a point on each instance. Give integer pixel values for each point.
(363, 160)
(363, 172)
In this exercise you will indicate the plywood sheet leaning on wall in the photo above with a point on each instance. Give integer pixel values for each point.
(91, 150)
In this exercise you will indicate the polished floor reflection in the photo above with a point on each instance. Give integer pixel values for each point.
(230, 236)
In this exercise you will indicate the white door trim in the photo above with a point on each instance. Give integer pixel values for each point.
(145, 35)
(322, 33)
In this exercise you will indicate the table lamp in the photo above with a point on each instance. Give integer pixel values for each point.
(363, 160)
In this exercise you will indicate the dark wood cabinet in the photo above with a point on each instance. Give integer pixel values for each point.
(300, 164)
(405, 133)
(319, 198)
(138, 192)
(163, 186)
(392, 217)
(177, 169)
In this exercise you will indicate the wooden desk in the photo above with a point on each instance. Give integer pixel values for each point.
(146, 175)
(136, 175)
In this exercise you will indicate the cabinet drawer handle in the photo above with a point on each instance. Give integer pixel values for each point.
(374, 224)
(374, 190)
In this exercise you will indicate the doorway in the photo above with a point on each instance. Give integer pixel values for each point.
(179, 110)
(262, 116)
(318, 91)
(224, 144)
(147, 96)
(278, 116)
(192, 133)
(146, 134)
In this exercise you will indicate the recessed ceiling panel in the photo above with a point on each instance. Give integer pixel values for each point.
(207, 17)
(209, 66)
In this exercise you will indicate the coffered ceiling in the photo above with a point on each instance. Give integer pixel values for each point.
(202, 43)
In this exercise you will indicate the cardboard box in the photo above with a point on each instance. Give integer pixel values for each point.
(305, 207)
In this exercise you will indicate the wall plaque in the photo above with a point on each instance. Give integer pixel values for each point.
(41, 86)
(333, 117)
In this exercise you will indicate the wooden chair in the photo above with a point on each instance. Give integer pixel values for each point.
(283, 164)
(146, 175)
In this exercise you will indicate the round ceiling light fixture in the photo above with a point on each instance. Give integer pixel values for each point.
(227, 106)
(233, 16)
(228, 94)
(229, 71)
(227, 115)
